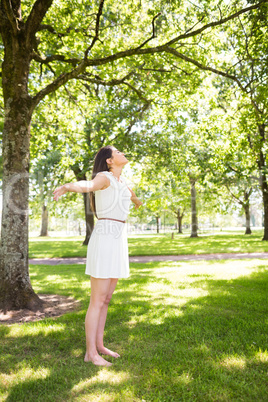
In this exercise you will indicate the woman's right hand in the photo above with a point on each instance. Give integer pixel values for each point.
(59, 191)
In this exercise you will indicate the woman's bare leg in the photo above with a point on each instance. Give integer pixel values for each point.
(100, 331)
(99, 292)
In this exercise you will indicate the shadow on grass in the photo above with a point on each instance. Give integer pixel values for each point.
(210, 348)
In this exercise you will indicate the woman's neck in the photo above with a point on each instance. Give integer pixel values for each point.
(116, 171)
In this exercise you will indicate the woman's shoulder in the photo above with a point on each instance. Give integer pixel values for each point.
(111, 177)
(104, 173)
(107, 174)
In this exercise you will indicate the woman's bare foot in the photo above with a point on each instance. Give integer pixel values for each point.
(97, 360)
(106, 351)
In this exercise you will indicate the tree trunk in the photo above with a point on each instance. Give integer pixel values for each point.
(247, 212)
(16, 291)
(263, 181)
(157, 223)
(265, 206)
(179, 218)
(15, 288)
(194, 225)
(44, 224)
(180, 224)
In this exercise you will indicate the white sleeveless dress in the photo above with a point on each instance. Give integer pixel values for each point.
(107, 253)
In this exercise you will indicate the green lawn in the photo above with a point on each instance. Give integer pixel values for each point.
(155, 245)
(186, 331)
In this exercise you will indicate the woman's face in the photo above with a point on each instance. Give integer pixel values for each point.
(118, 158)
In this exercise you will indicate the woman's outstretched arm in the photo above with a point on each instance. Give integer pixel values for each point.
(100, 182)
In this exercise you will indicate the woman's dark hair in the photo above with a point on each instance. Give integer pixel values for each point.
(100, 165)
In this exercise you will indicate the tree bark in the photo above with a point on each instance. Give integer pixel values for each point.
(44, 224)
(247, 211)
(263, 180)
(157, 223)
(194, 225)
(15, 290)
(247, 214)
(179, 218)
(265, 207)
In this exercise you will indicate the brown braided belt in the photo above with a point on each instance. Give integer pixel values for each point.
(110, 219)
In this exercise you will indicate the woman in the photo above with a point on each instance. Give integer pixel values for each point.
(107, 254)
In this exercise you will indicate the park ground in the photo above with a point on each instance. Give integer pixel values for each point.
(185, 330)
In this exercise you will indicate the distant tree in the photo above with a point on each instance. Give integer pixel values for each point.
(45, 175)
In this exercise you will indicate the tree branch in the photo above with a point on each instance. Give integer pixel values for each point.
(236, 198)
(241, 174)
(246, 41)
(81, 67)
(54, 57)
(113, 82)
(51, 29)
(215, 23)
(135, 119)
(138, 92)
(198, 22)
(177, 211)
(153, 34)
(233, 169)
(158, 70)
(219, 10)
(57, 83)
(10, 15)
(98, 80)
(203, 67)
(215, 71)
(164, 47)
(97, 27)
(248, 194)
(35, 18)
(73, 99)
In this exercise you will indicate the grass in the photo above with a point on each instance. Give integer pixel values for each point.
(186, 331)
(156, 245)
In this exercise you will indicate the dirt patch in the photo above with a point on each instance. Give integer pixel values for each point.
(53, 306)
